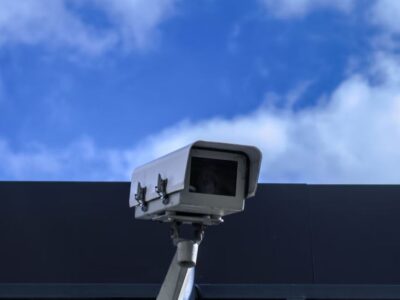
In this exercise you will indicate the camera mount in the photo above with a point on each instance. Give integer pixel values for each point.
(178, 283)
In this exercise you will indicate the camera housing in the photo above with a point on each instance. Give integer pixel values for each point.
(203, 179)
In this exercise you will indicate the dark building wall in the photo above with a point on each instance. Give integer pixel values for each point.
(356, 233)
(269, 242)
(79, 232)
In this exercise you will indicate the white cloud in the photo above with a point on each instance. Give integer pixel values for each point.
(80, 160)
(294, 95)
(136, 21)
(382, 13)
(25, 164)
(386, 13)
(59, 23)
(299, 8)
(354, 137)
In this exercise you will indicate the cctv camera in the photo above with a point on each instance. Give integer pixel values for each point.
(199, 183)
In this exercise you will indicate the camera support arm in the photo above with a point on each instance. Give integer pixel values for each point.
(179, 281)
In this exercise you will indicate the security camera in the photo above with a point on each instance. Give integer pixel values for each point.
(199, 183)
(196, 185)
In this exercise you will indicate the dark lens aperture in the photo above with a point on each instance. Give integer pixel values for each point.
(213, 176)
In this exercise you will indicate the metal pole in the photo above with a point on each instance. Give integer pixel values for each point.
(178, 283)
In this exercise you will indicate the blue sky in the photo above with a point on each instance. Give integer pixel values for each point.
(91, 89)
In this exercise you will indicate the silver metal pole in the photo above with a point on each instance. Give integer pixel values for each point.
(178, 283)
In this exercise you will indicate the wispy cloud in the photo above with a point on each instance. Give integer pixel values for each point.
(299, 8)
(386, 13)
(79, 160)
(58, 23)
(136, 22)
(353, 137)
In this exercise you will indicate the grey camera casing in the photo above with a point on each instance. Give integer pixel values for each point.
(175, 167)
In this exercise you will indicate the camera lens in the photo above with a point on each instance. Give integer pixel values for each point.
(213, 176)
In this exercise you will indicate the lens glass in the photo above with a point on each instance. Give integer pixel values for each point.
(213, 176)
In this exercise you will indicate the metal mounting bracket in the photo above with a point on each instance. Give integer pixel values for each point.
(161, 189)
(140, 197)
(171, 216)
